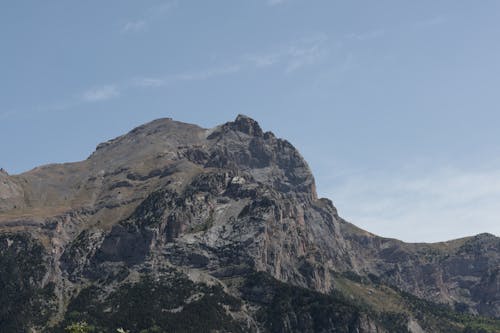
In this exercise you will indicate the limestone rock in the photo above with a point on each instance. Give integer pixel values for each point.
(172, 203)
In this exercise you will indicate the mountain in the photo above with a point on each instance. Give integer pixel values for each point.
(176, 228)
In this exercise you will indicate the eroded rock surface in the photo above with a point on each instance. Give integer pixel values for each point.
(232, 208)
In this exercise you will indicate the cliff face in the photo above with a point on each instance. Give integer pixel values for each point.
(463, 273)
(225, 222)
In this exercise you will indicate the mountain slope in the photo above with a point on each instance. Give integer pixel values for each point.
(225, 226)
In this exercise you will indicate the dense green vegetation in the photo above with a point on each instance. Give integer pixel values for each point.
(431, 316)
(286, 308)
(24, 302)
(290, 309)
(443, 317)
(83, 327)
(170, 303)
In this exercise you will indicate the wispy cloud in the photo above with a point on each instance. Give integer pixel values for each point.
(101, 93)
(208, 73)
(151, 15)
(290, 56)
(107, 92)
(294, 55)
(367, 35)
(199, 75)
(263, 60)
(149, 82)
(305, 55)
(442, 204)
(134, 26)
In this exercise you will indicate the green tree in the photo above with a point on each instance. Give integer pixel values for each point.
(81, 327)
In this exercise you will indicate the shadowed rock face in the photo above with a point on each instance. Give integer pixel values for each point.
(218, 205)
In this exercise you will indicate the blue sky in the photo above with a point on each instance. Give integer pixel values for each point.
(395, 104)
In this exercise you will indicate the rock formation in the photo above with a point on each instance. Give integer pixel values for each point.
(173, 227)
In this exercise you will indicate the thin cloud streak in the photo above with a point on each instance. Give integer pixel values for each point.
(367, 35)
(294, 55)
(200, 75)
(422, 207)
(208, 73)
(302, 56)
(263, 60)
(101, 93)
(134, 26)
(148, 82)
(151, 15)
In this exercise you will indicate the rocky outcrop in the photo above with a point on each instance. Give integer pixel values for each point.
(233, 207)
(11, 193)
(463, 273)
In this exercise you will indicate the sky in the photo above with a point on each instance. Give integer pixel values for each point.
(394, 104)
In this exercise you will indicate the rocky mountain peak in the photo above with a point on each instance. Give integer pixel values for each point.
(162, 132)
(486, 235)
(242, 145)
(246, 125)
(222, 222)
